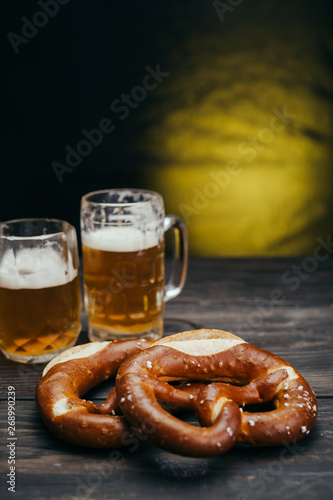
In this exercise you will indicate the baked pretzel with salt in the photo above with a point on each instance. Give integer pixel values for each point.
(68, 377)
(233, 373)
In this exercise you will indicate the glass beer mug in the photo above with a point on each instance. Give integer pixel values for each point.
(123, 248)
(40, 294)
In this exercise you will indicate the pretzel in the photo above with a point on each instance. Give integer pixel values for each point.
(232, 373)
(73, 373)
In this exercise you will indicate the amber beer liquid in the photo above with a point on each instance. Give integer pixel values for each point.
(40, 304)
(124, 282)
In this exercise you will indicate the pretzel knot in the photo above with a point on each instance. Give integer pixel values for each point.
(73, 373)
(229, 373)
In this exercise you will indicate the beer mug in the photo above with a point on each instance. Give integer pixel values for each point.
(122, 233)
(40, 294)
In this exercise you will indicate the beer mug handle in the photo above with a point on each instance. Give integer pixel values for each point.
(177, 278)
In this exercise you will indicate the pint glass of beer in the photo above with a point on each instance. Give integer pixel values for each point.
(40, 296)
(122, 234)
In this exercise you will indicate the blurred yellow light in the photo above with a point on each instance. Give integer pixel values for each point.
(258, 110)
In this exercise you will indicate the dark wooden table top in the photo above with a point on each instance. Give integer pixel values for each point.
(230, 294)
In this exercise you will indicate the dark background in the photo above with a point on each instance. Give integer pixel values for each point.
(65, 78)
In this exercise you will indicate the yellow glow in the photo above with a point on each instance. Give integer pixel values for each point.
(258, 110)
(238, 221)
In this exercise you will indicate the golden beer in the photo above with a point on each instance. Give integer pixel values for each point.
(40, 305)
(123, 257)
(124, 282)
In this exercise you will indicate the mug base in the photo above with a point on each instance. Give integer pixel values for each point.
(42, 358)
(154, 331)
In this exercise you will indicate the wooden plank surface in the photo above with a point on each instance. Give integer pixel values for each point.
(48, 468)
(230, 294)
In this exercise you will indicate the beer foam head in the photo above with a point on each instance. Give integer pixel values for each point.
(35, 268)
(120, 239)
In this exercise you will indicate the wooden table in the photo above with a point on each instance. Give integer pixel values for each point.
(230, 294)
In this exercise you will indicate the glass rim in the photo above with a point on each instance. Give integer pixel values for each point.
(154, 196)
(66, 227)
